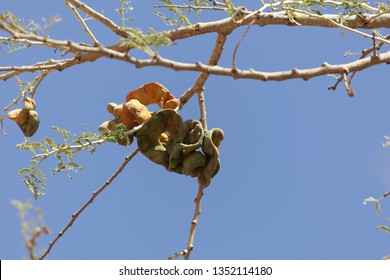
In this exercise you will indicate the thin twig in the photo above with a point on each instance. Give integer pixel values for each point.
(194, 222)
(335, 23)
(377, 15)
(237, 45)
(83, 24)
(350, 91)
(201, 80)
(5, 110)
(90, 200)
(375, 48)
(176, 255)
(190, 7)
(101, 18)
(202, 107)
(68, 147)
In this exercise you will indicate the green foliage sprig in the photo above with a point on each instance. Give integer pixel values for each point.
(178, 18)
(64, 152)
(123, 11)
(145, 42)
(10, 21)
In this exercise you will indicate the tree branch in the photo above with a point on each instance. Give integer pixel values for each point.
(101, 18)
(305, 74)
(90, 200)
(201, 80)
(278, 18)
(83, 24)
(336, 24)
(190, 245)
(119, 52)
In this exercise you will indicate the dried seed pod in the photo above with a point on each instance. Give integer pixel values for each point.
(154, 93)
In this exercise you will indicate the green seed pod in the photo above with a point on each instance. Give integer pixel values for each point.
(31, 125)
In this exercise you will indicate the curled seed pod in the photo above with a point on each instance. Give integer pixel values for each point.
(154, 93)
(166, 122)
(31, 125)
(27, 118)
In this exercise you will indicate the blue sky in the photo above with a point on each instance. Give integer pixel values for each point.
(297, 160)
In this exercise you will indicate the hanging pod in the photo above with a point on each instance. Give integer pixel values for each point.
(166, 140)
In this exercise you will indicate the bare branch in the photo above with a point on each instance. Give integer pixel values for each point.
(335, 23)
(202, 107)
(190, 245)
(278, 18)
(84, 54)
(194, 222)
(191, 7)
(374, 49)
(305, 74)
(90, 200)
(201, 80)
(101, 18)
(237, 45)
(347, 84)
(83, 24)
(120, 53)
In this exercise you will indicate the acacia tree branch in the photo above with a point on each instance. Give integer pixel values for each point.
(202, 107)
(335, 23)
(374, 49)
(190, 245)
(201, 80)
(83, 24)
(191, 7)
(194, 222)
(305, 74)
(101, 18)
(89, 201)
(198, 86)
(237, 45)
(227, 25)
(86, 53)
(119, 52)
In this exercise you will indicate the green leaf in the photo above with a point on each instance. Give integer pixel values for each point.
(179, 18)
(64, 153)
(63, 132)
(49, 142)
